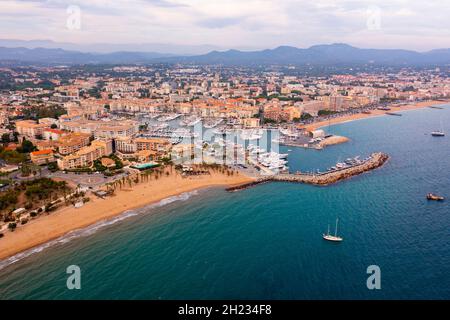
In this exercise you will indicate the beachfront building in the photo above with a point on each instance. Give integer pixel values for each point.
(311, 107)
(73, 142)
(125, 145)
(153, 144)
(42, 156)
(142, 149)
(86, 156)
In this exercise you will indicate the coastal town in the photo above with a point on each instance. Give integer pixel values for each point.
(73, 136)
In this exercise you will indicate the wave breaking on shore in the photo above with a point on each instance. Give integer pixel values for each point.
(89, 230)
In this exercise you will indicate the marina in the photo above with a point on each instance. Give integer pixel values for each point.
(190, 121)
(212, 123)
(169, 117)
(325, 178)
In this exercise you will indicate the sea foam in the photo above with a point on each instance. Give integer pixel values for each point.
(84, 232)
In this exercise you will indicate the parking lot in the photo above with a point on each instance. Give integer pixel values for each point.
(92, 181)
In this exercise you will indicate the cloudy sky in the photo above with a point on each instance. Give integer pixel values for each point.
(243, 24)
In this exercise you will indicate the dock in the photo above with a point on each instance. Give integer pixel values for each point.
(394, 114)
(376, 160)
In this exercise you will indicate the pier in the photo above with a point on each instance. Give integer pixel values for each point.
(322, 179)
(394, 114)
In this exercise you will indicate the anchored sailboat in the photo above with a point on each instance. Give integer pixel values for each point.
(439, 133)
(330, 237)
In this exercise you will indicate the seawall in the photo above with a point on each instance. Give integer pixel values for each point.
(376, 160)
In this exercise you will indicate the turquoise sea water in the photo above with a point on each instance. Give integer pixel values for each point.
(266, 242)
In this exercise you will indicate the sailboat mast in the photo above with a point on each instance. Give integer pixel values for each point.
(335, 231)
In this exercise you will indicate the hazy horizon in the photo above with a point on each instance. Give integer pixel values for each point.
(199, 26)
(163, 48)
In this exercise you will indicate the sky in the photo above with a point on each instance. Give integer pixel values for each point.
(239, 24)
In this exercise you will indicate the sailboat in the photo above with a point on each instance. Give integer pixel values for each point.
(439, 133)
(330, 237)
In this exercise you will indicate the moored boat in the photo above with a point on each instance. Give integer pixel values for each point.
(431, 196)
(330, 237)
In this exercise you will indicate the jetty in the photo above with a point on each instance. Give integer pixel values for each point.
(321, 179)
(394, 114)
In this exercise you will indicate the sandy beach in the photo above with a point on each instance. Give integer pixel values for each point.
(374, 113)
(60, 222)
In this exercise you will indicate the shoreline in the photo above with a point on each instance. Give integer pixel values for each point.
(50, 227)
(60, 223)
(374, 113)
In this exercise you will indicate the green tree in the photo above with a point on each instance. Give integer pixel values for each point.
(26, 147)
(5, 138)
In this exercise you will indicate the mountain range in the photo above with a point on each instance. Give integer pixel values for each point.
(315, 55)
(174, 49)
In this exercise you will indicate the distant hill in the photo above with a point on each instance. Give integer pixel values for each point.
(315, 55)
(173, 49)
(60, 56)
(322, 54)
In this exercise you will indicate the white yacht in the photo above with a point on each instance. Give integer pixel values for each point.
(330, 237)
(438, 134)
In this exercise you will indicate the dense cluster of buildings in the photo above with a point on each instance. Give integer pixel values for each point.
(102, 111)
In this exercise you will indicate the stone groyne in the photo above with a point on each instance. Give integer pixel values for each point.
(375, 160)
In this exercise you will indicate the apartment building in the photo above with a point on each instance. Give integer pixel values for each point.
(311, 107)
(251, 122)
(52, 134)
(42, 156)
(135, 105)
(125, 145)
(116, 129)
(103, 129)
(30, 128)
(86, 156)
(153, 144)
(73, 142)
(142, 148)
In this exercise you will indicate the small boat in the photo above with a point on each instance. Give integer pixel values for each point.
(438, 133)
(330, 237)
(394, 114)
(434, 197)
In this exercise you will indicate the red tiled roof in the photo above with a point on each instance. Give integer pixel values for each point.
(41, 152)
